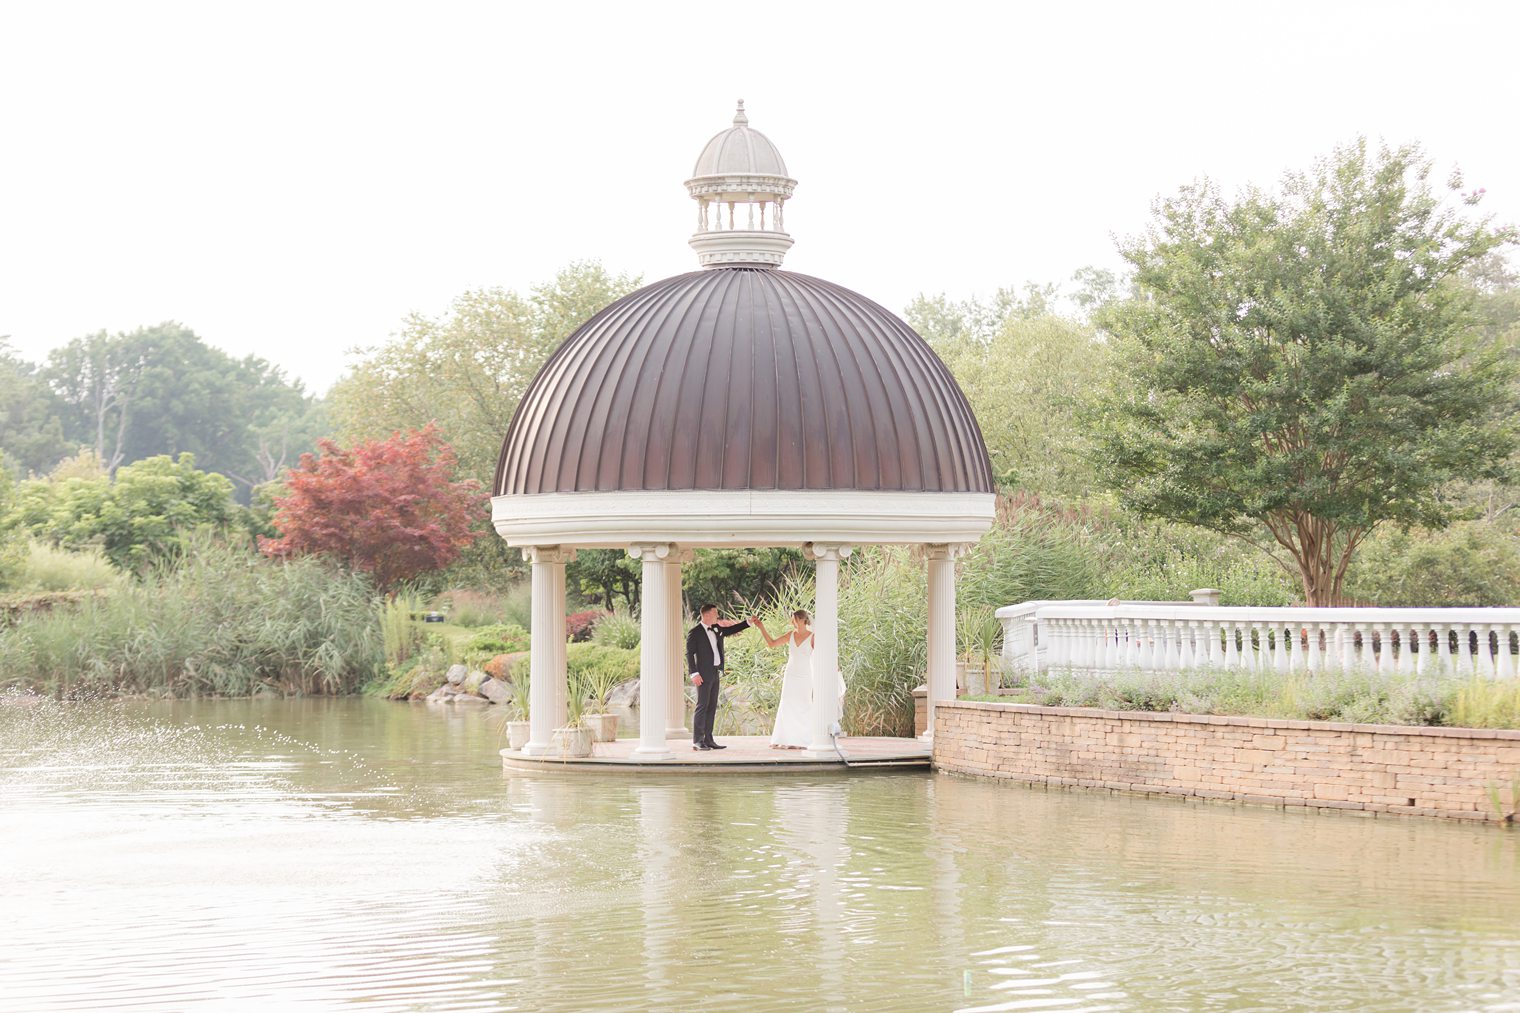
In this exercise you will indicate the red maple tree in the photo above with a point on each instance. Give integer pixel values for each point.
(391, 508)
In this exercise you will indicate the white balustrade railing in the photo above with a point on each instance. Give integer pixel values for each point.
(1169, 637)
(1022, 644)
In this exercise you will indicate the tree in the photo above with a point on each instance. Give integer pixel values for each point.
(390, 508)
(1302, 367)
(12, 539)
(163, 390)
(467, 370)
(97, 377)
(1025, 383)
(31, 423)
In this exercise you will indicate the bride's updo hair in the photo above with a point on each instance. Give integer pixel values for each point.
(802, 614)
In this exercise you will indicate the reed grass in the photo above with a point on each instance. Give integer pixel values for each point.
(618, 629)
(44, 568)
(224, 622)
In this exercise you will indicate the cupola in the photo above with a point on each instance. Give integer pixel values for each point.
(741, 188)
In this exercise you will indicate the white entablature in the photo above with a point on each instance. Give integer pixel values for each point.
(741, 188)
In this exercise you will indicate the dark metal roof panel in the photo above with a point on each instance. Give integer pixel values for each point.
(743, 378)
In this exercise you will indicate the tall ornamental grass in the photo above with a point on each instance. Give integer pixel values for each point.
(44, 568)
(223, 622)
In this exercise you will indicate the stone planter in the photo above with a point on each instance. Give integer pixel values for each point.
(518, 733)
(603, 726)
(573, 742)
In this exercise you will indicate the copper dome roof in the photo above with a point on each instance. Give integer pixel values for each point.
(743, 378)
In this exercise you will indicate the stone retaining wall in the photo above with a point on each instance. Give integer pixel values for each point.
(1372, 769)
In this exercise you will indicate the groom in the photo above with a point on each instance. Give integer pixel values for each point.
(704, 660)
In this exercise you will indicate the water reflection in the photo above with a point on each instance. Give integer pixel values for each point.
(333, 853)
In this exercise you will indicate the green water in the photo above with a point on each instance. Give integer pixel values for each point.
(357, 853)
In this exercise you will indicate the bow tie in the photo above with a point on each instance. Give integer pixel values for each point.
(713, 628)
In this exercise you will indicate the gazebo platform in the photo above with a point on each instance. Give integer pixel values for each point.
(745, 754)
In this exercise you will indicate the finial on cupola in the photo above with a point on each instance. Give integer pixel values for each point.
(741, 120)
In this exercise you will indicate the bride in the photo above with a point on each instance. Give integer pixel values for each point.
(794, 716)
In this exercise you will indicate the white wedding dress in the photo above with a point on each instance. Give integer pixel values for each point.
(794, 716)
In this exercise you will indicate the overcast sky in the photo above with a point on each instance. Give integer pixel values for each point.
(292, 179)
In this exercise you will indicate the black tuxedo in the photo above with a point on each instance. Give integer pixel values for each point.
(701, 661)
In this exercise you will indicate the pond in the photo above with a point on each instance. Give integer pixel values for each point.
(331, 853)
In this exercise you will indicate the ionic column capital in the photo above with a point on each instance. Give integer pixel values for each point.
(834, 551)
(547, 554)
(650, 552)
(946, 551)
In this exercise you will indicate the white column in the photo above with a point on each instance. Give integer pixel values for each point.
(941, 678)
(675, 703)
(825, 643)
(546, 685)
(654, 652)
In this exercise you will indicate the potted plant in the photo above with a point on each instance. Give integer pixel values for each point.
(574, 738)
(519, 728)
(598, 680)
(966, 668)
(985, 641)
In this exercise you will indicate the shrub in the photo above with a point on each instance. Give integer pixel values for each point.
(617, 629)
(503, 638)
(578, 625)
(1356, 697)
(592, 670)
(1470, 564)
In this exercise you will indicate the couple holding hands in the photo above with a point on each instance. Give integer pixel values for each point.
(794, 716)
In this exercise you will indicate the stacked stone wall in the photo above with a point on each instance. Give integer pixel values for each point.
(1367, 769)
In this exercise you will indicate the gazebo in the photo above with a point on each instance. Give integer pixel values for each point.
(736, 406)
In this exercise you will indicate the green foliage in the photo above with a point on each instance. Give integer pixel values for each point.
(598, 669)
(31, 424)
(224, 622)
(592, 670)
(730, 577)
(1469, 564)
(1487, 703)
(467, 370)
(1025, 382)
(1356, 697)
(400, 628)
(502, 638)
(162, 389)
(141, 518)
(604, 577)
(12, 539)
(43, 568)
(617, 629)
(1301, 367)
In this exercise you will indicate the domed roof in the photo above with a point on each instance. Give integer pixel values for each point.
(740, 151)
(743, 379)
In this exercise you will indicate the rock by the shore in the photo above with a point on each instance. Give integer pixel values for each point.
(624, 695)
(456, 674)
(495, 690)
(443, 694)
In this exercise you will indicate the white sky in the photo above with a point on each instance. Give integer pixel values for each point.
(291, 179)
